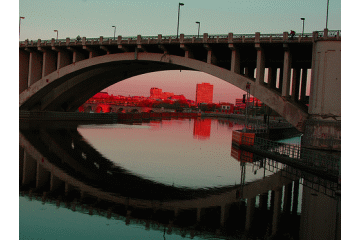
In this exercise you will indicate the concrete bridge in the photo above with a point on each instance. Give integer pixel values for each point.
(62, 75)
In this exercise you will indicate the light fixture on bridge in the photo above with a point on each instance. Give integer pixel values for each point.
(198, 29)
(57, 34)
(20, 25)
(177, 33)
(114, 31)
(303, 19)
(327, 13)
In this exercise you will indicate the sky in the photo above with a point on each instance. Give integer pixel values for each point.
(91, 18)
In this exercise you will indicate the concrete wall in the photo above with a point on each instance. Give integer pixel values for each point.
(319, 218)
(323, 128)
(326, 79)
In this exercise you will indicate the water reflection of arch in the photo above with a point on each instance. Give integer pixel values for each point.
(320, 210)
(61, 159)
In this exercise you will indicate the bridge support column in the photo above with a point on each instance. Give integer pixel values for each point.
(77, 56)
(23, 70)
(323, 128)
(322, 134)
(260, 64)
(272, 75)
(49, 62)
(277, 210)
(295, 84)
(250, 208)
(64, 58)
(35, 67)
(42, 176)
(286, 72)
(303, 85)
(29, 170)
(211, 59)
(249, 71)
(235, 59)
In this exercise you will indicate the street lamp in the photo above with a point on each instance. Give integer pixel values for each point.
(57, 34)
(198, 29)
(114, 31)
(327, 13)
(20, 25)
(177, 33)
(303, 19)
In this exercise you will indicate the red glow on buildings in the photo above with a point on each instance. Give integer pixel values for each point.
(202, 128)
(204, 93)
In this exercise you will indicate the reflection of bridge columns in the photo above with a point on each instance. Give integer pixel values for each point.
(250, 209)
(263, 201)
(287, 198)
(276, 209)
(295, 197)
(29, 170)
(42, 176)
(319, 218)
(224, 214)
(55, 183)
(199, 213)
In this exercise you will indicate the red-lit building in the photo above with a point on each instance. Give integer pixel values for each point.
(155, 93)
(204, 93)
(202, 128)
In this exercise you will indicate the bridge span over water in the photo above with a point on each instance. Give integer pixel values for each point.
(62, 75)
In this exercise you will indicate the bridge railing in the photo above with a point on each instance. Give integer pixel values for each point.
(330, 33)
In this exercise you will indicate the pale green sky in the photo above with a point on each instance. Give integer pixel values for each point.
(94, 18)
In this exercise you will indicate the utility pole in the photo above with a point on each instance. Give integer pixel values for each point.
(247, 105)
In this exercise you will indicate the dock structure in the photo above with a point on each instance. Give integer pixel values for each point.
(315, 162)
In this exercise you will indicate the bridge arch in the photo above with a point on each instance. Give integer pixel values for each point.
(69, 87)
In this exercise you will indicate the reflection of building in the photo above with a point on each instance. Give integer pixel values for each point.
(204, 93)
(202, 128)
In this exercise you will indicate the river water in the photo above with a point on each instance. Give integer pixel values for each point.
(165, 179)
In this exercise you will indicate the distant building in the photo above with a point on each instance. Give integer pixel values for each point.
(155, 93)
(204, 93)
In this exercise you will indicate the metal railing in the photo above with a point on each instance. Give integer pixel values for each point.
(331, 33)
(306, 156)
(319, 184)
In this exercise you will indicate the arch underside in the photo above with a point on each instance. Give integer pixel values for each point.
(69, 87)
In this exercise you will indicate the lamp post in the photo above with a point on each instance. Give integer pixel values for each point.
(198, 29)
(327, 14)
(177, 33)
(303, 19)
(114, 31)
(20, 25)
(57, 34)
